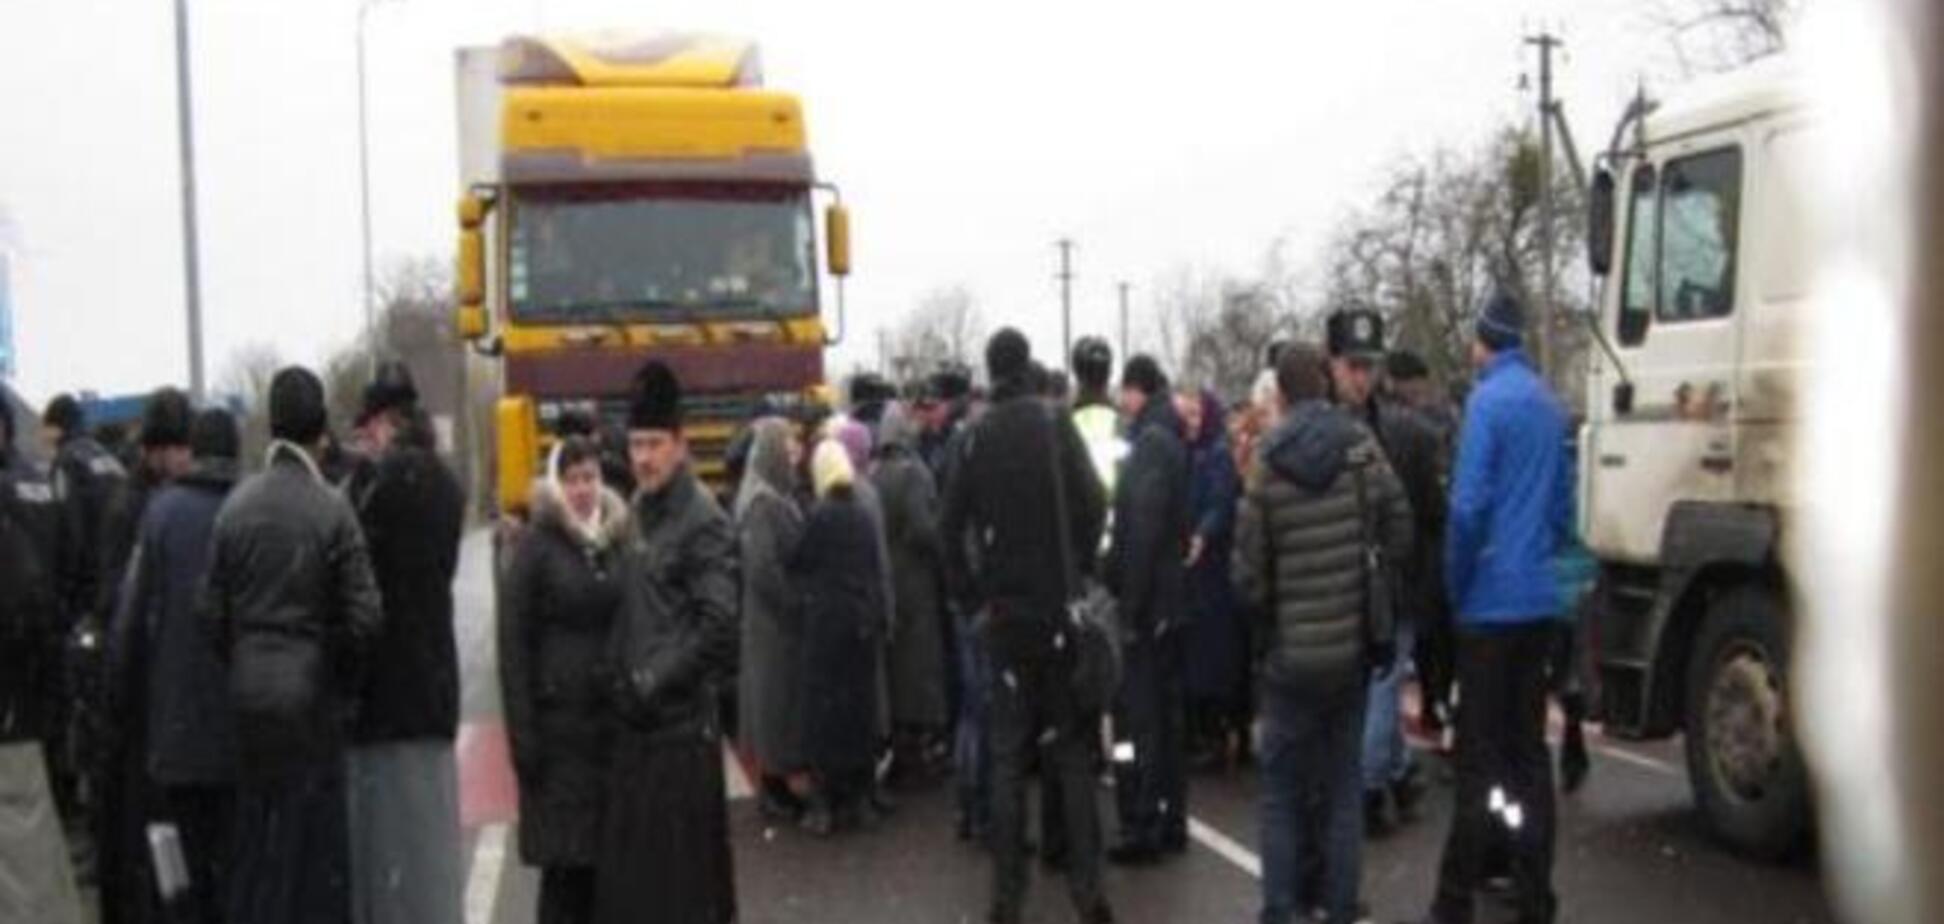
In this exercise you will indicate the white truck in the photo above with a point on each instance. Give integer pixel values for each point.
(1698, 231)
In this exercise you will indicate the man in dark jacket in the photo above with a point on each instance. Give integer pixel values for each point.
(86, 478)
(36, 881)
(1147, 573)
(1356, 347)
(1025, 504)
(294, 608)
(1511, 510)
(666, 843)
(405, 858)
(1317, 500)
(189, 758)
(109, 667)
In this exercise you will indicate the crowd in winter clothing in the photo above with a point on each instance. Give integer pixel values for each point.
(1137, 579)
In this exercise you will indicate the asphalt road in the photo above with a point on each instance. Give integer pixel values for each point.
(1630, 846)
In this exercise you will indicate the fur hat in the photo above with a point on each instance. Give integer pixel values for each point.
(166, 419)
(298, 413)
(656, 402)
(213, 435)
(391, 388)
(65, 413)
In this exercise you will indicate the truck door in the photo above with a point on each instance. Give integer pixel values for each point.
(1677, 333)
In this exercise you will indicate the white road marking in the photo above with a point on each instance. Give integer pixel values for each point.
(1641, 760)
(483, 884)
(1225, 847)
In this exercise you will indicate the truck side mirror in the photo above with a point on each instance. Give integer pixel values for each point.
(837, 239)
(1599, 223)
(470, 274)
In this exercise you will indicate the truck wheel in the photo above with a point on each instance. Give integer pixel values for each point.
(1743, 757)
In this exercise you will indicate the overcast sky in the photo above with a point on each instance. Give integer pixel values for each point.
(966, 137)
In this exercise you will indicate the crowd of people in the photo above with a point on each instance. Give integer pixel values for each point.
(1132, 579)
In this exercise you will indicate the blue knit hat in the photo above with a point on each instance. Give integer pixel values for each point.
(1501, 322)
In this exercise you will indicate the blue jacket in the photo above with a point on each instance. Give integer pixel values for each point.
(1511, 499)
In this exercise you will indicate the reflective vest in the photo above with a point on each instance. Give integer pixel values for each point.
(1099, 428)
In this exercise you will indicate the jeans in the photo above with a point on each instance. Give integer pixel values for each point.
(1150, 731)
(1310, 764)
(1033, 708)
(1385, 757)
(971, 756)
(1502, 685)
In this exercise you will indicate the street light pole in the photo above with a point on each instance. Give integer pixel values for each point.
(364, 191)
(186, 150)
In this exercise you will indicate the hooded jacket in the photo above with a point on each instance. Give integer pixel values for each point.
(413, 512)
(917, 669)
(1299, 546)
(88, 482)
(559, 600)
(769, 526)
(1511, 499)
(294, 608)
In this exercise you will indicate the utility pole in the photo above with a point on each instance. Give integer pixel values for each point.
(1123, 320)
(1066, 302)
(1547, 44)
(186, 148)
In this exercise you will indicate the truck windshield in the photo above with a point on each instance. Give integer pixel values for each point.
(601, 253)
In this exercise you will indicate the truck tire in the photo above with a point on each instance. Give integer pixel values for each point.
(1743, 757)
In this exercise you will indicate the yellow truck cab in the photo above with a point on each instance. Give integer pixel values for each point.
(628, 197)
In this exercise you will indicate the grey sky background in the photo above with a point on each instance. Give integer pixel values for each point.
(967, 137)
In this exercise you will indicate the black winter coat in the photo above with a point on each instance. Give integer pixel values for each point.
(677, 642)
(87, 481)
(665, 838)
(1299, 545)
(294, 608)
(1147, 569)
(413, 512)
(30, 532)
(558, 602)
(841, 579)
(1002, 509)
(191, 723)
(1417, 452)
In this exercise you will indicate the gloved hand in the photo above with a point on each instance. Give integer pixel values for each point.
(634, 692)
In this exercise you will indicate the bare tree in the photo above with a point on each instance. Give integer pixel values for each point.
(245, 379)
(946, 328)
(1723, 34)
(1212, 328)
(1444, 232)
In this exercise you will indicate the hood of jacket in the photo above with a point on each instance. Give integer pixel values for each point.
(1312, 446)
(549, 506)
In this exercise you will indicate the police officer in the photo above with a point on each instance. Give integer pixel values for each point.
(36, 880)
(1094, 414)
(1356, 349)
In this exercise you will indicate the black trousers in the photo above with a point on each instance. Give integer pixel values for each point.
(1151, 784)
(1502, 687)
(291, 857)
(1033, 709)
(566, 895)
